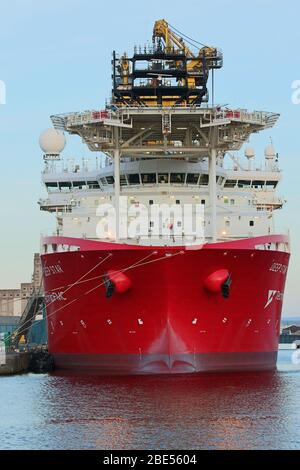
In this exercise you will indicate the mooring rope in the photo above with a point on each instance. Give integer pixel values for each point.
(134, 265)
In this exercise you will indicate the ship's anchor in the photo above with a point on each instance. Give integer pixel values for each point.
(109, 286)
(116, 281)
(226, 287)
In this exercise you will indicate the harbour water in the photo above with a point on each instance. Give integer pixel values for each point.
(221, 411)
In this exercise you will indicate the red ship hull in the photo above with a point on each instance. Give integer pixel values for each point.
(166, 320)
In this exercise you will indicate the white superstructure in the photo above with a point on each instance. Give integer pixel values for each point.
(245, 193)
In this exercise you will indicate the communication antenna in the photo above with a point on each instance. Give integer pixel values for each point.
(213, 87)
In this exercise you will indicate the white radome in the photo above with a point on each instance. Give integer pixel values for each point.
(249, 152)
(270, 152)
(52, 141)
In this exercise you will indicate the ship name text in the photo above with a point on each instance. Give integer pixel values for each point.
(279, 268)
(54, 269)
(54, 296)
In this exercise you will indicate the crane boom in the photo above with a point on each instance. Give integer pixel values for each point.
(161, 30)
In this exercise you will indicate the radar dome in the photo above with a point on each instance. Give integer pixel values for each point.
(249, 152)
(270, 152)
(52, 141)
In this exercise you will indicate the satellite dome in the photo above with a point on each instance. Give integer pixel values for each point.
(270, 152)
(52, 141)
(249, 152)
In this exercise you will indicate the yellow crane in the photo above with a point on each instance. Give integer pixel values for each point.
(168, 73)
(207, 56)
(124, 69)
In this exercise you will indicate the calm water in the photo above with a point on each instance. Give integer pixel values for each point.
(230, 411)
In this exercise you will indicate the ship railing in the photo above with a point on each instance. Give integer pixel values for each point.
(271, 200)
(77, 170)
(242, 115)
(214, 114)
(161, 108)
(86, 117)
(65, 121)
(265, 206)
(121, 116)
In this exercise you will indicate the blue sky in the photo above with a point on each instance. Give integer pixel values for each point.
(55, 57)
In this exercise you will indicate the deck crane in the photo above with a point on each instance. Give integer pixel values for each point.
(168, 73)
(198, 66)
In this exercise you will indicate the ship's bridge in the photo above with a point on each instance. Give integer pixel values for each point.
(162, 172)
(246, 196)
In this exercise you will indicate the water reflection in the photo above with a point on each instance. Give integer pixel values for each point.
(228, 411)
(209, 411)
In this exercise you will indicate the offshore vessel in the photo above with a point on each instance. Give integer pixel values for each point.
(165, 258)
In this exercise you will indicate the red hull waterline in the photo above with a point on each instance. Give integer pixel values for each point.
(163, 317)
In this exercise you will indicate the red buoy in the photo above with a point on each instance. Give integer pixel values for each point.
(213, 282)
(121, 282)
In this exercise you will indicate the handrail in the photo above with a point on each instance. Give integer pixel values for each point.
(118, 114)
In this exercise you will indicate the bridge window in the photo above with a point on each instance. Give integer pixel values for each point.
(244, 183)
(93, 184)
(79, 184)
(192, 178)
(258, 184)
(204, 180)
(177, 178)
(148, 178)
(230, 184)
(271, 184)
(163, 178)
(65, 185)
(110, 179)
(134, 179)
(52, 187)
